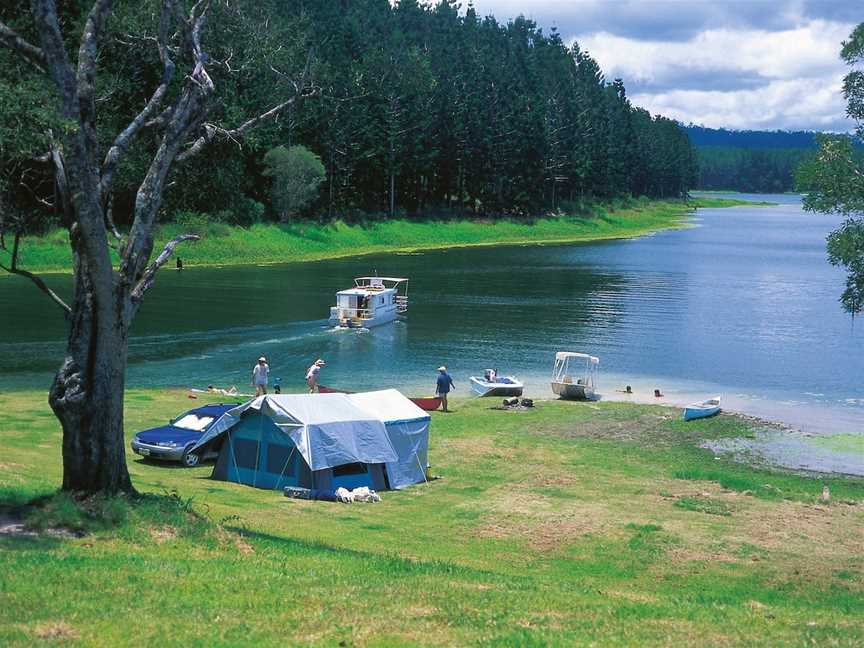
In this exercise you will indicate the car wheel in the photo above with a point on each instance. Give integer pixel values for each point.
(190, 459)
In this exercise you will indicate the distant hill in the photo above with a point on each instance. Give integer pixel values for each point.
(751, 139)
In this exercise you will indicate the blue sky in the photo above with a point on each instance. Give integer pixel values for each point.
(760, 64)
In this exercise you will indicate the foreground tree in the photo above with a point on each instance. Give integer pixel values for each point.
(87, 392)
(834, 180)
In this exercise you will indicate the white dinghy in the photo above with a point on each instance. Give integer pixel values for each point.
(491, 384)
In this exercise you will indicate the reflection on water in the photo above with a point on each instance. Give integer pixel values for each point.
(743, 305)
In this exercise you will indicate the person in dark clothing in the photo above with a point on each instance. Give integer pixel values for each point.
(179, 263)
(445, 383)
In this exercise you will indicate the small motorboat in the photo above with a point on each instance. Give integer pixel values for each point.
(426, 403)
(704, 409)
(584, 366)
(491, 384)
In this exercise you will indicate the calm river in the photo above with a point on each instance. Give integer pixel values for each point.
(743, 305)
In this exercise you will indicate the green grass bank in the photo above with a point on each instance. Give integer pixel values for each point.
(273, 243)
(572, 524)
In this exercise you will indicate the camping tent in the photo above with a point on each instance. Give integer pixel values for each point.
(376, 439)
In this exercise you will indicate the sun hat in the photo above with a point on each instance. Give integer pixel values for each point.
(320, 362)
(442, 368)
(262, 359)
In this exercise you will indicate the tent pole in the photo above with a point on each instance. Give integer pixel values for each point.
(258, 453)
(282, 474)
(422, 469)
(234, 457)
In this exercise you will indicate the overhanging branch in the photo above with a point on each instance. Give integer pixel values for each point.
(302, 90)
(149, 275)
(13, 268)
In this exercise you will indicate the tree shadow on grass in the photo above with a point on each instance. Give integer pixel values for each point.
(392, 563)
(14, 535)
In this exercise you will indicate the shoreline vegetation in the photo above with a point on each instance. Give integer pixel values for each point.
(271, 243)
(571, 523)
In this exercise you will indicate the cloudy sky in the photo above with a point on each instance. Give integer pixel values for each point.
(759, 64)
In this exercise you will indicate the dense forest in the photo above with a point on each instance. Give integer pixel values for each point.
(412, 109)
(751, 161)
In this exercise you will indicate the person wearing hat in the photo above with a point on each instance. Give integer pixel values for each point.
(260, 372)
(313, 375)
(442, 388)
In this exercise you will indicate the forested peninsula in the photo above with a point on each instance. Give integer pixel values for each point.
(415, 112)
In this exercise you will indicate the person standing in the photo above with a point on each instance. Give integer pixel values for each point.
(260, 373)
(313, 375)
(443, 386)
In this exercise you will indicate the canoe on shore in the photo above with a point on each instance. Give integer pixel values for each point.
(704, 409)
(427, 403)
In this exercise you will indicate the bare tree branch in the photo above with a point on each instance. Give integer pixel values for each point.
(149, 275)
(10, 38)
(13, 268)
(86, 77)
(187, 112)
(54, 50)
(302, 89)
(124, 139)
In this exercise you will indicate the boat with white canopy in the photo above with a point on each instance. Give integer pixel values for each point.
(371, 302)
(574, 375)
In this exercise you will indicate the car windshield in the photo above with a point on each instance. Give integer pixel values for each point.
(193, 422)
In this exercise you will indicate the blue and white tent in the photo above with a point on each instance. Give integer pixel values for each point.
(375, 439)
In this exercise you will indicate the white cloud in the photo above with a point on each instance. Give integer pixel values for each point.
(806, 51)
(788, 104)
(734, 78)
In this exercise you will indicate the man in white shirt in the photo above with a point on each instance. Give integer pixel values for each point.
(260, 372)
(313, 375)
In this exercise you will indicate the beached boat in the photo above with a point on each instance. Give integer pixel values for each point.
(574, 375)
(426, 403)
(371, 302)
(493, 385)
(704, 409)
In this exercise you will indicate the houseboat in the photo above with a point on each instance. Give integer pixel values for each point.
(371, 302)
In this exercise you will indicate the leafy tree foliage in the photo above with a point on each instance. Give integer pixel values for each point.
(297, 174)
(423, 110)
(835, 181)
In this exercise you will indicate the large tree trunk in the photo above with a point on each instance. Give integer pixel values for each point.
(87, 392)
(87, 398)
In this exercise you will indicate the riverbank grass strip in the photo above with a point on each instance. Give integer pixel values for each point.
(222, 244)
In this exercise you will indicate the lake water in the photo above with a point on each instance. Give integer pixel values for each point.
(743, 305)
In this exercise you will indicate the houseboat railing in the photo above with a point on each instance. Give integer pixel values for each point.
(352, 313)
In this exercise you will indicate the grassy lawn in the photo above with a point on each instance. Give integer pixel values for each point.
(574, 523)
(272, 243)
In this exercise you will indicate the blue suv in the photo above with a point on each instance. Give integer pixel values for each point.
(172, 442)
